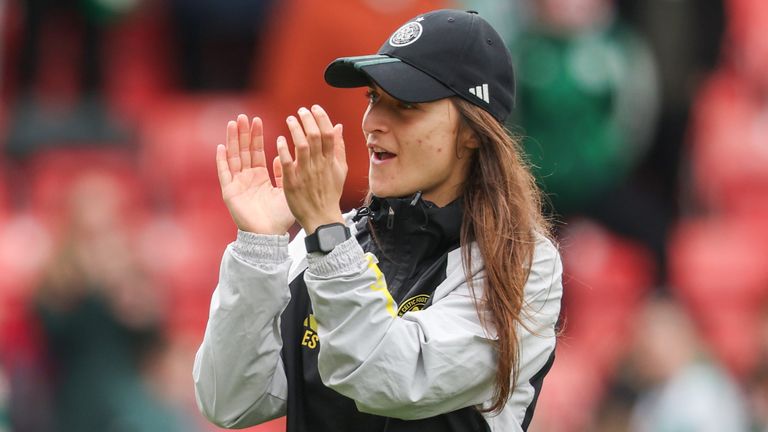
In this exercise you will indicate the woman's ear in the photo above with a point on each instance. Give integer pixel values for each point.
(468, 138)
(466, 142)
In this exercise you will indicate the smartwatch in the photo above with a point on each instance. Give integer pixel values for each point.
(326, 237)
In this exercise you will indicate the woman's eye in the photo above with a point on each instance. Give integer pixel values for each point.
(406, 105)
(372, 96)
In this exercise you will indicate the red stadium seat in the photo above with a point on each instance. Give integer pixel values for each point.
(746, 44)
(729, 151)
(183, 251)
(178, 139)
(733, 336)
(605, 279)
(572, 390)
(21, 341)
(51, 174)
(718, 268)
(138, 61)
(25, 247)
(720, 261)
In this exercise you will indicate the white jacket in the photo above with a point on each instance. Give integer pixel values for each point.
(422, 364)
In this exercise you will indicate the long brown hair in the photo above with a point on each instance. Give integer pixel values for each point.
(502, 214)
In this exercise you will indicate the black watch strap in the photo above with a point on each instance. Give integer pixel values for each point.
(327, 237)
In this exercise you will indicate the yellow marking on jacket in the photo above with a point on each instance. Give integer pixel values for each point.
(310, 338)
(381, 285)
(311, 322)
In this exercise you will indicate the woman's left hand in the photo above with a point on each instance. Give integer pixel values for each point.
(313, 183)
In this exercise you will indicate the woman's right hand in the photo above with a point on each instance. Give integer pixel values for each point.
(256, 205)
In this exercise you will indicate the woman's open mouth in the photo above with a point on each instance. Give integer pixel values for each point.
(381, 157)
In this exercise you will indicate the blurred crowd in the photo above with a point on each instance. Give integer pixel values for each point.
(645, 122)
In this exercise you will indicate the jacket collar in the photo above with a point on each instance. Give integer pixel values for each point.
(415, 222)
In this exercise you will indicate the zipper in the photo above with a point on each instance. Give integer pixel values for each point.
(416, 198)
(390, 218)
(362, 212)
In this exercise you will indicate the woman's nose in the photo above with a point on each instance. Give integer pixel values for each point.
(374, 120)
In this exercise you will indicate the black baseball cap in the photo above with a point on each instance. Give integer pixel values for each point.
(435, 55)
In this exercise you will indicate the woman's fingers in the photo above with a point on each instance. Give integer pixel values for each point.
(286, 162)
(312, 131)
(233, 148)
(339, 149)
(277, 168)
(326, 129)
(319, 145)
(222, 167)
(258, 158)
(299, 141)
(244, 141)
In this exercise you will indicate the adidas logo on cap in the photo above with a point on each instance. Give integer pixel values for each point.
(481, 92)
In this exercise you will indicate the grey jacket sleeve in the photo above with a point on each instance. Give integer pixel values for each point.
(428, 362)
(238, 372)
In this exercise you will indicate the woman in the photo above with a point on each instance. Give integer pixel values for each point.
(431, 308)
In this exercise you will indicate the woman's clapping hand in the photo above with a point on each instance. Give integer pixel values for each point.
(314, 181)
(307, 188)
(255, 203)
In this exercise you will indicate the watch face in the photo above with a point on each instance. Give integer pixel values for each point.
(329, 237)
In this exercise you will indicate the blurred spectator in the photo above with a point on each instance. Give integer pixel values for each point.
(685, 36)
(100, 316)
(680, 388)
(615, 410)
(58, 99)
(218, 41)
(686, 39)
(587, 105)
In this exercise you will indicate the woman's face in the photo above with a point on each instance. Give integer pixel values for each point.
(415, 147)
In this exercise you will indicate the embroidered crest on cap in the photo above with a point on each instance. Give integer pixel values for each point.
(406, 34)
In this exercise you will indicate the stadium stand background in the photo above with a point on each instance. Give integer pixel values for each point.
(112, 227)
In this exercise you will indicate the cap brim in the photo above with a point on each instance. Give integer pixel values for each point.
(399, 79)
